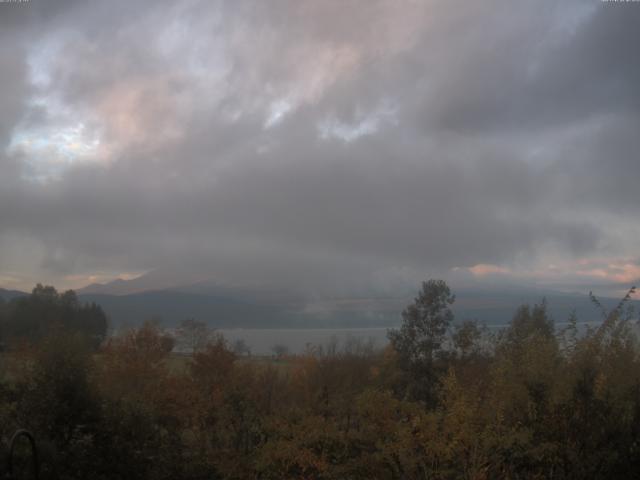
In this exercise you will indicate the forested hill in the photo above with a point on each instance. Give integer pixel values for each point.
(7, 295)
(45, 310)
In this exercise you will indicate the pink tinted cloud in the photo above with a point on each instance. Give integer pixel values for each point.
(484, 269)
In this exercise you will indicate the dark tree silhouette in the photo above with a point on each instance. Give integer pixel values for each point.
(44, 311)
(419, 341)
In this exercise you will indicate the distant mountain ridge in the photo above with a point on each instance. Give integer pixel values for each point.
(153, 280)
(235, 307)
(7, 295)
(161, 281)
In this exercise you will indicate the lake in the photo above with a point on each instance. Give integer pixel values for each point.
(261, 341)
(296, 340)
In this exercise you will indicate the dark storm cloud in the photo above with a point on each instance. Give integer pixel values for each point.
(14, 90)
(313, 141)
(523, 83)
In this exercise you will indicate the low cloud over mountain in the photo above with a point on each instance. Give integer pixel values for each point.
(320, 147)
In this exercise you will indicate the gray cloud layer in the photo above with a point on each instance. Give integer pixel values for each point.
(316, 145)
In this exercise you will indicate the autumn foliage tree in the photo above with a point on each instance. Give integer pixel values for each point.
(442, 401)
(420, 341)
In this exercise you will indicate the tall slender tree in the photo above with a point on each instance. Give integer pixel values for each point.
(419, 341)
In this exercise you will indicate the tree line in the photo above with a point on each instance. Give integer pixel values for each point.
(33, 317)
(443, 400)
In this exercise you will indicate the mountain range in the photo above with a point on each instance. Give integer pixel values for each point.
(130, 302)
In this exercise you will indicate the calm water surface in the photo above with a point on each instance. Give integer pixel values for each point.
(262, 341)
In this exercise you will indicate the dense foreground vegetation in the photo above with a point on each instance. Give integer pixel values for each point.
(441, 402)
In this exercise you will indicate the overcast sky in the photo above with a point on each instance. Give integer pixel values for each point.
(329, 146)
